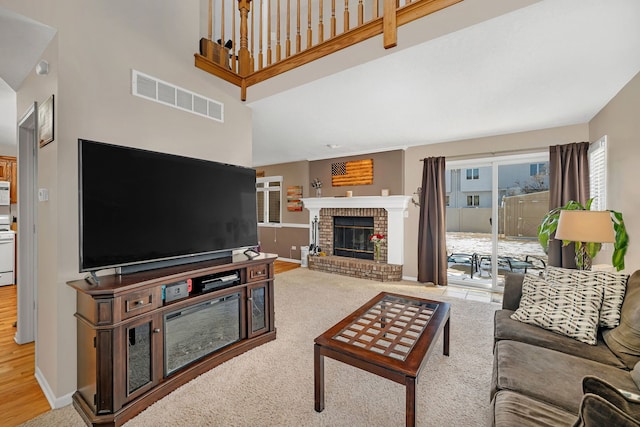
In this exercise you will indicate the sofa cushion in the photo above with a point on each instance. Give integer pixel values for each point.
(598, 412)
(622, 399)
(624, 340)
(505, 328)
(613, 285)
(603, 404)
(512, 290)
(547, 375)
(514, 409)
(635, 374)
(572, 310)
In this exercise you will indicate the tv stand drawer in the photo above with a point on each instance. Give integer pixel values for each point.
(139, 302)
(256, 273)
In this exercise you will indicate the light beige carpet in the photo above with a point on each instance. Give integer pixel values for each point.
(272, 385)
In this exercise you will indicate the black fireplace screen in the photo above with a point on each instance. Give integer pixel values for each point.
(351, 236)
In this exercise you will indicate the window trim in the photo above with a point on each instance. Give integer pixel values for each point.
(266, 189)
(474, 175)
(474, 198)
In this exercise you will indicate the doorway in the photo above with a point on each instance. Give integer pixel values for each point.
(493, 209)
(27, 244)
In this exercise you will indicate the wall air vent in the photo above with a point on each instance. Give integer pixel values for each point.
(151, 88)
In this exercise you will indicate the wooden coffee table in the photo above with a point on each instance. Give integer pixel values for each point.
(391, 336)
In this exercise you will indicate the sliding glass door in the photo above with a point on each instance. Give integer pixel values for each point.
(494, 207)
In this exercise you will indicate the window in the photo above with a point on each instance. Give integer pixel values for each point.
(598, 174)
(537, 169)
(473, 200)
(473, 173)
(269, 196)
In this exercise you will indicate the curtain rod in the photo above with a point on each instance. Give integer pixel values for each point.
(491, 154)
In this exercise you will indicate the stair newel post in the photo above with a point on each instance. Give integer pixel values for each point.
(390, 24)
(244, 57)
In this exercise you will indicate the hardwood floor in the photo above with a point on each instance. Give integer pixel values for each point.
(22, 398)
(282, 266)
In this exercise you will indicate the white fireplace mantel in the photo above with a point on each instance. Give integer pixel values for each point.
(396, 207)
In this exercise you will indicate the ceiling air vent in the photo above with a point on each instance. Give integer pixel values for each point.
(151, 88)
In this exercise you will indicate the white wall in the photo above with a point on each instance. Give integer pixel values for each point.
(91, 58)
(619, 121)
(8, 150)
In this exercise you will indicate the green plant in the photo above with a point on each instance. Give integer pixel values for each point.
(549, 226)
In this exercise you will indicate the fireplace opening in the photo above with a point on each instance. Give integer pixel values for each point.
(351, 236)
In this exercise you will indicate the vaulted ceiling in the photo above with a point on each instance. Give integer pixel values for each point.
(550, 63)
(478, 68)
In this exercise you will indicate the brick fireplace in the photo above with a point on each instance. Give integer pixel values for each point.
(388, 215)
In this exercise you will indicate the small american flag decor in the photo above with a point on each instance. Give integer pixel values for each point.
(356, 172)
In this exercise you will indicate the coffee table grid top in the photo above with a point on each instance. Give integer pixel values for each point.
(391, 327)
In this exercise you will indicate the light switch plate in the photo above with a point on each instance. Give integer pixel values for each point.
(43, 194)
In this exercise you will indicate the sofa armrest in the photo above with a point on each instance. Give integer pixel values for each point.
(512, 291)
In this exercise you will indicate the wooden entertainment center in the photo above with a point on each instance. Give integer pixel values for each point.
(133, 330)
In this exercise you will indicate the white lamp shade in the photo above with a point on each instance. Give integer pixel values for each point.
(585, 226)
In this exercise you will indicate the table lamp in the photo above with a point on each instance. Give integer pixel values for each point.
(582, 227)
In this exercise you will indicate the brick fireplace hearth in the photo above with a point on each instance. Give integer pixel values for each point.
(388, 215)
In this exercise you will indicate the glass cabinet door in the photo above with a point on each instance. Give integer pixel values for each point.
(258, 309)
(141, 338)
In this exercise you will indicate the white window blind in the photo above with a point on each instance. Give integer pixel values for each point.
(598, 174)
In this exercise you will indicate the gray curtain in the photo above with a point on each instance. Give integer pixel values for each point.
(432, 245)
(568, 180)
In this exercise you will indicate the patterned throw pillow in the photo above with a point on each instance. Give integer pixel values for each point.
(613, 284)
(570, 310)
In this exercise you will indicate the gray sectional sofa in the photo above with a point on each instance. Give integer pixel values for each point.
(543, 378)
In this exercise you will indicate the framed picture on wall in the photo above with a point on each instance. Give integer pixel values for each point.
(294, 194)
(45, 122)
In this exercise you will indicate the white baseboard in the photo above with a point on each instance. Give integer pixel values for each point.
(410, 278)
(54, 402)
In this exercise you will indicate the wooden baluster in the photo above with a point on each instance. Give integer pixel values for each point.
(346, 15)
(288, 45)
(233, 49)
(298, 36)
(268, 32)
(376, 9)
(260, 55)
(210, 29)
(360, 12)
(243, 53)
(252, 52)
(320, 23)
(333, 18)
(309, 31)
(278, 46)
(222, 22)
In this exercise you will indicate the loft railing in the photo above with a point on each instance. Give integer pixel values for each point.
(251, 41)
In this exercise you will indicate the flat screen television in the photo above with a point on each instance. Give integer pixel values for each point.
(141, 209)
